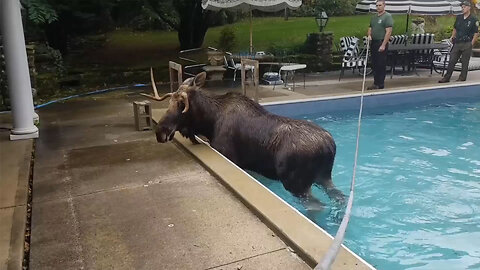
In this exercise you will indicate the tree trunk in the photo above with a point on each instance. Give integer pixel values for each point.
(107, 22)
(193, 26)
(57, 36)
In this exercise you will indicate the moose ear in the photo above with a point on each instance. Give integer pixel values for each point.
(199, 80)
(188, 82)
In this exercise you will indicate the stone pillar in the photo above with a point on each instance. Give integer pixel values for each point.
(3, 77)
(31, 67)
(320, 44)
(16, 65)
(324, 42)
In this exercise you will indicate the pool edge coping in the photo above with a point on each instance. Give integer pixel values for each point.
(366, 93)
(306, 238)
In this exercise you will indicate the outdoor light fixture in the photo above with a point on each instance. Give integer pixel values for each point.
(322, 20)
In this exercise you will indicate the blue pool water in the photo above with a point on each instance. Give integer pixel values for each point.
(417, 203)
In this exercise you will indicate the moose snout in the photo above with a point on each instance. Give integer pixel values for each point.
(161, 137)
(164, 134)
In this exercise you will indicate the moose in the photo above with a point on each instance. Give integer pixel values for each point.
(296, 152)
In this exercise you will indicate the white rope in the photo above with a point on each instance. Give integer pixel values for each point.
(332, 252)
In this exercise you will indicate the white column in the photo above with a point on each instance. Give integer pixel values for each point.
(18, 76)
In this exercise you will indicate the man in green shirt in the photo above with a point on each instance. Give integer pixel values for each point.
(464, 36)
(379, 34)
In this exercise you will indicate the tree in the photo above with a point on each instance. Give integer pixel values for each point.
(336, 7)
(40, 12)
(190, 20)
(61, 19)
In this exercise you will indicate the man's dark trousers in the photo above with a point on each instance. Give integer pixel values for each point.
(465, 50)
(379, 63)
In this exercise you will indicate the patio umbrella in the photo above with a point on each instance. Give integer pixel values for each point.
(249, 5)
(416, 7)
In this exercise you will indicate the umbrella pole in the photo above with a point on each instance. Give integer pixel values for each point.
(251, 30)
(406, 28)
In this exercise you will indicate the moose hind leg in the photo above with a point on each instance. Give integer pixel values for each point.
(297, 183)
(300, 187)
(333, 193)
(311, 203)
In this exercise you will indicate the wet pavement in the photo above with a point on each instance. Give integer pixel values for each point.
(15, 161)
(108, 197)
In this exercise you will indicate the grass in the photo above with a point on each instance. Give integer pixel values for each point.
(267, 32)
(277, 31)
(124, 48)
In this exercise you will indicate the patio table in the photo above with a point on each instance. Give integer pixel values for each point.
(414, 52)
(291, 68)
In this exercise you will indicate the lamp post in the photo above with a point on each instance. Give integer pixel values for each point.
(321, 20)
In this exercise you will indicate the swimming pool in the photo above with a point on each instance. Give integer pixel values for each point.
(417, 203)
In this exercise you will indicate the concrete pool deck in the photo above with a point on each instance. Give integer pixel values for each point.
(106, 196)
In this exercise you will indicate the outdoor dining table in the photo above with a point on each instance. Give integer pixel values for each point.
(291, 68)
(288, 68)
(413, 52)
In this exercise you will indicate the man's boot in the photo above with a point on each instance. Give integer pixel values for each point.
(444, 80)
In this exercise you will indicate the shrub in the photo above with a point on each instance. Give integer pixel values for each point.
(337, 7)
(57, 58)
(282, 52)
(226, 41)
(477, 44)
(225, 17)
(443, 33)
(147, 20)
(304, 11)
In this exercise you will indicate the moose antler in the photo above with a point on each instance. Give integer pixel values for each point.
(155, 92)
(185, 101)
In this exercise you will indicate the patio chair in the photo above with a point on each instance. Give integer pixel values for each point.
(345, 42)
(423, 38)
(230, 64)
(364, 41)
(352, 59)
(423, 57)
(401, 57)
(442, 57)
(363, 55)
(398, 39)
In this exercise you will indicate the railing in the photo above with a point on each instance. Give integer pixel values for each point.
(194, 64)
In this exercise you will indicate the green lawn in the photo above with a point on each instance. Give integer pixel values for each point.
(125, 50)
(277, 31)
(266, 32)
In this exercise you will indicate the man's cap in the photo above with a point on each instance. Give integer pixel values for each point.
(466, 3)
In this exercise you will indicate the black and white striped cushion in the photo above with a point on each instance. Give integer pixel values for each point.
(351, 58)
(398, 39)
(423, 39)
(345, 42)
